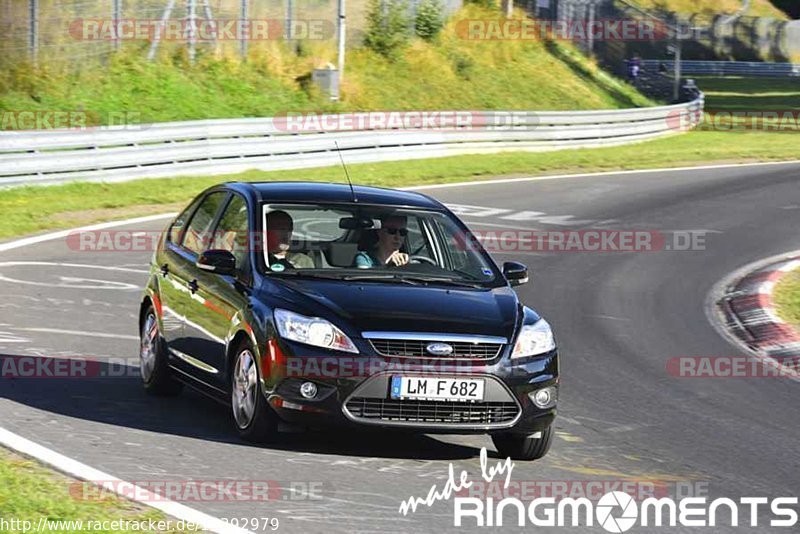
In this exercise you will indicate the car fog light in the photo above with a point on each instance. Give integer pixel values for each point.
(544, 398)
(308, 390)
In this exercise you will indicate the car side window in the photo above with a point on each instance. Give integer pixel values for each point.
(198, 232)
(177, 226)
(232, 231)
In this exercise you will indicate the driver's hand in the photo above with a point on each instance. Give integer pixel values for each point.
(397, 259)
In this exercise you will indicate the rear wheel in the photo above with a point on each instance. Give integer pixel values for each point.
(520, 447)
(156, 375)
(254, 418)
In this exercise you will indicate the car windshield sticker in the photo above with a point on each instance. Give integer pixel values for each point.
(277, 267)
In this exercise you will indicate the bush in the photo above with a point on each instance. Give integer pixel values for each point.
(429, 20)
(387, 27)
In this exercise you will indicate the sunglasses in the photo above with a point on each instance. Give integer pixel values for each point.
(392, 231)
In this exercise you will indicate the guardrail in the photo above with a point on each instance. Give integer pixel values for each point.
(729, 68)
(231, 146)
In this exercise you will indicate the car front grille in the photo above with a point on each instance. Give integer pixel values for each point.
(405, 348)
(419, 411)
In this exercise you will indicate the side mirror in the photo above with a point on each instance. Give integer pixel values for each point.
(516, 273)
(217, 262)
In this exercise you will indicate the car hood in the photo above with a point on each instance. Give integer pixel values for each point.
(402, 308)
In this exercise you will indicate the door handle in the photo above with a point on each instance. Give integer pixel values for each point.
(193, 287)
(165, 269)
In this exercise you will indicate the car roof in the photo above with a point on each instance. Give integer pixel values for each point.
(280, 192)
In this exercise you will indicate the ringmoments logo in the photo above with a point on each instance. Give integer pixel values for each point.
(617, 511)
(614, 511)
(610, 502)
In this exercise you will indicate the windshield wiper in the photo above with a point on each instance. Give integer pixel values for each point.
(379, 277)
(445, 281)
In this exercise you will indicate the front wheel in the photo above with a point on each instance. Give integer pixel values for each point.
(520, 447)
(156, 375)
(255, 420)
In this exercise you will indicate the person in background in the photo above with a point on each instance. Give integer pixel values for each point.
(386, 251)
(279, 237)
(634, 69)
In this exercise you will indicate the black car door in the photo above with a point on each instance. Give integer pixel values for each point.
(168, 261)
(180, 284)
(214, 310)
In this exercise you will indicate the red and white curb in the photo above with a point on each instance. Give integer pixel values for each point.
(747, 312)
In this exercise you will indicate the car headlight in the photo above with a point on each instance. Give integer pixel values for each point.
(312, 331)
(534, 339)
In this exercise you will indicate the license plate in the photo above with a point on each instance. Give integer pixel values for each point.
(445, 389)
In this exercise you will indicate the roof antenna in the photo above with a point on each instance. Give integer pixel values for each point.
(347, 174)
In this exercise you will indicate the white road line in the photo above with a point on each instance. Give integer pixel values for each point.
(64, 233)
(78, 333)
(79, 265)
(69, 282)
(110, 483)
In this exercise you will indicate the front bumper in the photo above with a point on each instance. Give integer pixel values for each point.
(353, 390)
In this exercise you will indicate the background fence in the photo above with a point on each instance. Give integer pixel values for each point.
(229, 146)
(730, 68)
(41, 28)
(702, 36)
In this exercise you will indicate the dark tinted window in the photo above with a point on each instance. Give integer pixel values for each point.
(174, 233)
(198, 234)
(232, 231)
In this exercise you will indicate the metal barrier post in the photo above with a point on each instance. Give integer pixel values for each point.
(33, 30)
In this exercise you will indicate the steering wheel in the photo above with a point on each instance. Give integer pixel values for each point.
(421, 259)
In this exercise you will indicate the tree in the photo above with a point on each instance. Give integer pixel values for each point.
(387, 27)
(429, 20)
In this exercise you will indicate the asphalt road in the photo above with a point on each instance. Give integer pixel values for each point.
(618, 316)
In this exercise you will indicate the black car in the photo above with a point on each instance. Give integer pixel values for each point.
(319, 304)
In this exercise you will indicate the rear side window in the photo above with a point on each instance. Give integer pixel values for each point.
(198, 234)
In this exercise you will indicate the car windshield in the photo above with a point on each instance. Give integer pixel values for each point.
(373, 243)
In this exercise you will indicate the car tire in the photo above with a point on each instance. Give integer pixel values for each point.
(253, 416)
(154, 369)
(521, 447)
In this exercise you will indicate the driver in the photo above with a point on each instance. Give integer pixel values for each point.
(386, 251)
(279, 236)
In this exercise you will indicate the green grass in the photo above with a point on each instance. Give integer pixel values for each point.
(787, 298)
(449, 73)
(749, 94)
(29, 491)
(35, 209)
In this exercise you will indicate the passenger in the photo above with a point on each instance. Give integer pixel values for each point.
(279, 237)
(386, 251)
